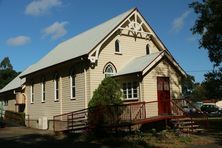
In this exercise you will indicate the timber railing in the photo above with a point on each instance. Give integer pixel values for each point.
(121, 115)
(193, 112)
(113, 115)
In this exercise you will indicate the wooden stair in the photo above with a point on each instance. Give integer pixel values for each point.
(186, 125)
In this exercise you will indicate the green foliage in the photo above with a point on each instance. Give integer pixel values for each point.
(198, 92)
(104, 107)
(5, 64)
(6, 72)
(188, 84)
(213, 84)
(108, 93)
(209, 26)
(16, 117)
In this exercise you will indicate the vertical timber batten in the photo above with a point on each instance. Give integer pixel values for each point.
(85, 80)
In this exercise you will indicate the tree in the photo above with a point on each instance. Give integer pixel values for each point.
(6, 72)
(192, 90)
(188, 84)
(209, 26)
(213, 84)
(103, 107)
(198, 93)
(6, 64)
(108, 93)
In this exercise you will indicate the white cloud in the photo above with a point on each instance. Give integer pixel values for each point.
(18, 41)
(40, 7)
(56, 30)
(178, 23)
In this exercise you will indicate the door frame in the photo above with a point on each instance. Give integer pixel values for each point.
(163, 95)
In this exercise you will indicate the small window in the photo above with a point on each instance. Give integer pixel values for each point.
(43, 89)
(117, 46)
(109, 70)
(147, 49)
(56, 87)
(73, 84)
(130, 90)
(32, 92)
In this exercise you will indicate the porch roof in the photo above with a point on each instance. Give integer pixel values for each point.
(138, 64)
(145, 63)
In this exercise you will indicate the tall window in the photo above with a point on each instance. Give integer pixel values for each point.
(56, 87)
(43, 89)
(73, 84)
(117, 46)
(6, 102)
(109, 70)
(130, 90)
(32, 92)
(147, 49)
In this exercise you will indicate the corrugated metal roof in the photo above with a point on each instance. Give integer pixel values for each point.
(14, 84)
(77, 46)
(138, 64)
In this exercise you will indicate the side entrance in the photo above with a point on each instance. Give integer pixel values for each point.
(163, 95)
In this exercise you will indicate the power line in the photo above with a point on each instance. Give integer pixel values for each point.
(199, 70)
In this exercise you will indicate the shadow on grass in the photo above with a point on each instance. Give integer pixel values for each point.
(71, 140)
(214, 129)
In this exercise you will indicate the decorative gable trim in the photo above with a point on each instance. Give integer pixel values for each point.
(134, 25)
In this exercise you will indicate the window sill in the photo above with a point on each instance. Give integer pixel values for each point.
(73, 98)
(43, 101)
(56, 100)
(118, 53)
(32, 103)
(130, 100)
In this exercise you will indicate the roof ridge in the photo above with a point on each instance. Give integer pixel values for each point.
(98, 25)
(78, 45)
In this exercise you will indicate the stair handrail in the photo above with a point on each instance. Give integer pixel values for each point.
(186, 114)
(200, 111)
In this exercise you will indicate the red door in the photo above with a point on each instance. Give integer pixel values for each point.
(163, 94)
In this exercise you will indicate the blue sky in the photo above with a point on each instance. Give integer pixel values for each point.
(29, 29)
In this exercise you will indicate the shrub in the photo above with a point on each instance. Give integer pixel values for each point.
(104, 106)
(108, 93)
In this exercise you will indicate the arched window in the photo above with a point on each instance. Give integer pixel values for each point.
(117, 46)
(109, 70)
(56, 87)
(43, 89)
(147, 49)
(72, 84)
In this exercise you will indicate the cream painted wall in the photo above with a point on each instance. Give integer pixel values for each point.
(130, 48)
(149, 87)
(50, 107)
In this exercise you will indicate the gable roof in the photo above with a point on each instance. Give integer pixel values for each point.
(145, 63)
(79, 45)
(138, 64)
(17, 82)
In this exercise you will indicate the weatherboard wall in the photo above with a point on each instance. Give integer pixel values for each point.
(162, 69)
(65, 104)
(130, 48)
